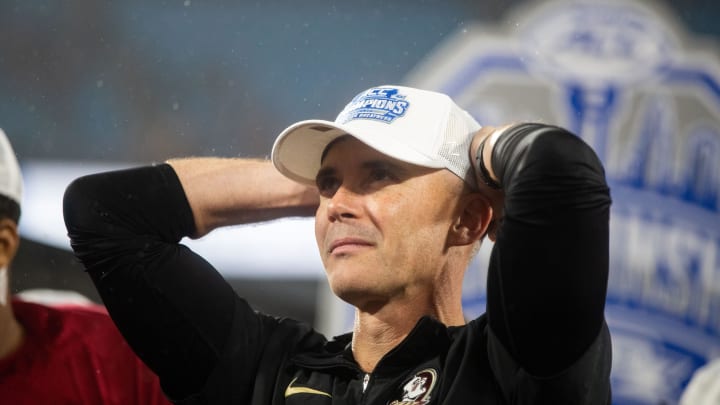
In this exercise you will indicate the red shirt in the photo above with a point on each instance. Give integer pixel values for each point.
(74, 355)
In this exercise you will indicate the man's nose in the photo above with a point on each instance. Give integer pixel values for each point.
(344, 204)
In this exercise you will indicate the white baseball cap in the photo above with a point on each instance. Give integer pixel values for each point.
(416, 126)
(10, 177)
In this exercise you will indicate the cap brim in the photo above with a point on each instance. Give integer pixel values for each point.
(298, 150)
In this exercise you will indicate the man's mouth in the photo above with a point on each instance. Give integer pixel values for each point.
(347, 245)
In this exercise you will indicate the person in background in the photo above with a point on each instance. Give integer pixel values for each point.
(69, 352)
(704, 386)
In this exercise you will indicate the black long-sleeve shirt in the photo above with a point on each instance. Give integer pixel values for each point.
(543, 339)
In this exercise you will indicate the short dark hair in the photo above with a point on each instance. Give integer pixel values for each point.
(9, 208)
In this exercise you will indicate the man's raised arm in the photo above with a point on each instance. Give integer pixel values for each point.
(176, 311)
(225, 192)
(548, 272)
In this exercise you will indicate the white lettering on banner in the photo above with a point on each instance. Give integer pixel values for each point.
(666, 267)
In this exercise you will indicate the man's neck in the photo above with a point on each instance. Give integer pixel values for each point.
(378, 332)
(11, 332)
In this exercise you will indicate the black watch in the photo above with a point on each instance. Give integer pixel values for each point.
(484, 174)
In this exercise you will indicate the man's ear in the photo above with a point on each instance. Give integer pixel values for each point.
(9, 241)
(473, 219)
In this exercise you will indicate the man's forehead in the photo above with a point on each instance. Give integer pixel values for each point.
(347, 149)
(339, 145)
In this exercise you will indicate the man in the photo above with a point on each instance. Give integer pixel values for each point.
(398, 216)
(68, 354)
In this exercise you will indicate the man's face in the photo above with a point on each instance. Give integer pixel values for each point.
(382, 224)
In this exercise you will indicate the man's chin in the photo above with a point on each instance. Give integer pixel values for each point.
(364, 298)
(349, 294)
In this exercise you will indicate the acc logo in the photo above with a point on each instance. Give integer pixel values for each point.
(383, 104)
(417, 391)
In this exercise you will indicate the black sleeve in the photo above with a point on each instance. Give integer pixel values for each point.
(548, 270)
(174, 309)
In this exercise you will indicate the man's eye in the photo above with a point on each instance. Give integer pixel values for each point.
(381, 174)
(327, 185)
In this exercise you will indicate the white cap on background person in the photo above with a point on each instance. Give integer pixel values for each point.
(416, 126)
(11, 187)
(704, 386)
(11, 184)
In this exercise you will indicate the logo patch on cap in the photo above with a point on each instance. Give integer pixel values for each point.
(383, 104)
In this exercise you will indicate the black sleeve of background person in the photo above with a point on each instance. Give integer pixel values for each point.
(172, 307)
(548, 272)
